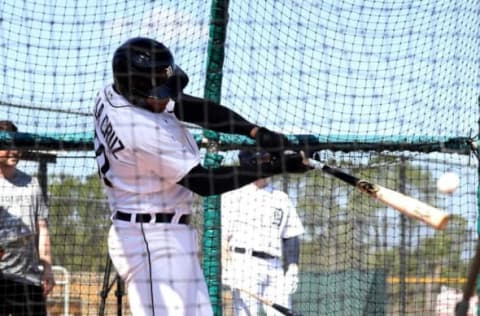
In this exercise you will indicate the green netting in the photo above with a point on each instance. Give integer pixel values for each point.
(386, 90)
(460, 145)
(367, 294)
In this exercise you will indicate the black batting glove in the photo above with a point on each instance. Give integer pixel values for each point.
(270, 141)
(291, 162)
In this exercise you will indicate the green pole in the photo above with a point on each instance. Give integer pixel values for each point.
(212, 223)
(478, 202)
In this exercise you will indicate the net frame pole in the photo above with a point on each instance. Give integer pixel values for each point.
(212, 219)
(477, 155)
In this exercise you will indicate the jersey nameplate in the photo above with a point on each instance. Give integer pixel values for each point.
(113, 143)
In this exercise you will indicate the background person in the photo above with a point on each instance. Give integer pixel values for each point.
(260, 230)
(23, 224)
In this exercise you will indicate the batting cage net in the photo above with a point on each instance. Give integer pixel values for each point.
(384, 91)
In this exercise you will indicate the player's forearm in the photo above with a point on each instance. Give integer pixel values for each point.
(223, 179)
(212, 116)
(45, 255)
(44, 244)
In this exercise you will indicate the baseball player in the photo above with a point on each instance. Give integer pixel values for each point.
(150, 167)
(260, 227)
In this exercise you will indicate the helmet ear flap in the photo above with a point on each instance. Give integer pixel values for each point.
(182, 77)
(178, 82)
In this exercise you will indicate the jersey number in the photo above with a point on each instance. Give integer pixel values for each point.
(277, 216)
(102, 162)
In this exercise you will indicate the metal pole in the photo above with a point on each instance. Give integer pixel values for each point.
(402, 250)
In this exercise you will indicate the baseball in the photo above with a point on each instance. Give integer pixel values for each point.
(448, 182)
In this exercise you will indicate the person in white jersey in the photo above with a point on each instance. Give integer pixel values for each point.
(150, 167)
(260, 231)
(24, 238)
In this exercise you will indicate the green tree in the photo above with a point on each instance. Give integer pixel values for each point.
(79, 222)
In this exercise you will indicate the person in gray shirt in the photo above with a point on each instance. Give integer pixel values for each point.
(26, 276)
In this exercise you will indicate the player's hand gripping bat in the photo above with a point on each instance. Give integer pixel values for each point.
(281, 309)
(407, 205)
(461, 308)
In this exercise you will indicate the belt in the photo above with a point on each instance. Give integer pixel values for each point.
(147, 218)
(258, 254)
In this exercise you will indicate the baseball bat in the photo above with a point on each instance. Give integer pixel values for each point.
(407, 205)
(461, 308)
(280, 308)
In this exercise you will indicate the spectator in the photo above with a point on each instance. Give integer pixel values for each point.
(26, 264)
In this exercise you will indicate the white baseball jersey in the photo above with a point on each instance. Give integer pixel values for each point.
(258, 218)
(141, 156)
(152, 152)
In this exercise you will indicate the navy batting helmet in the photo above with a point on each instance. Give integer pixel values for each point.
(144, 68)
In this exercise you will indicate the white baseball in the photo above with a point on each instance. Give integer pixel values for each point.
(448, 182)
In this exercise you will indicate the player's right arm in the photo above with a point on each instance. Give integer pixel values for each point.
(217, 117)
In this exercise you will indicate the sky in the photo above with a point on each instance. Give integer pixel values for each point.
(316, 67)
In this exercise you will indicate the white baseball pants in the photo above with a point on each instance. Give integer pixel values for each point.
(159, 264)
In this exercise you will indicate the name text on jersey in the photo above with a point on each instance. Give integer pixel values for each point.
(113, 143)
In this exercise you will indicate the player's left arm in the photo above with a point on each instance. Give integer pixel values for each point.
(291, 253)
(291, 250)
(291, 243)
(212, 181)
(220, 118)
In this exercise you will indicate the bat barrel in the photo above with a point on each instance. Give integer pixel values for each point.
(407, 205)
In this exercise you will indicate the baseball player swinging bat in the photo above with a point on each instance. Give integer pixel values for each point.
(281, 309)
(407, 205)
